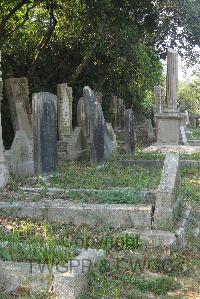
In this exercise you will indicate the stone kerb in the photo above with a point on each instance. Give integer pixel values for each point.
(68, 280)
(167, 192)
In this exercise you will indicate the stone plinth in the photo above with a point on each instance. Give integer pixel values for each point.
(168, 128)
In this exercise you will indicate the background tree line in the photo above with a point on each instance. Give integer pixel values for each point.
(112, 46)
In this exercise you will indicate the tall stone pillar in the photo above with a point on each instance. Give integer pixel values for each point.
(172, 79)
(18, 98)
(169, 121)
(64, 105)
(3, 168)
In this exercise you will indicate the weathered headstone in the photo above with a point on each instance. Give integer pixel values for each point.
(20, 157)
(64, 105)
(121, 114)
(4, 174)
(97, 130)
(18, 98)
(150, 131)
(172, 79)
(129, 129)
(89, 101)
(113, 111)
(81, 116)
(44, 132)
(183, 135)
(158, 99)
(77, 147)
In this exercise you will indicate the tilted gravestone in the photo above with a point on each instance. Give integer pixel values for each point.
(64, 105)
(44, 132)
(129, 129)
(20, 157)
(77, 147)
(97, 132)
(18, 98)
(4, 174)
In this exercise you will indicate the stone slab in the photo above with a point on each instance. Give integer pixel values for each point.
(155, 238)
(69, 280)
(114, 215)
(160, 163)
(185, 149)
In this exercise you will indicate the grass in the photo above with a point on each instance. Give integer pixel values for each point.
(31, 241)
(196, 133)
(190, 184)
(140, 155)
(113, 174)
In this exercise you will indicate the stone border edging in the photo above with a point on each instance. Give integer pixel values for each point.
(70, 279)
(160, 163)
(109, 214)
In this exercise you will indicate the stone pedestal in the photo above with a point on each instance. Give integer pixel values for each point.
(168, 128)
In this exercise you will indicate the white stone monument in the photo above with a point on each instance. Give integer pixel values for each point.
(4, 174)
(169, 121)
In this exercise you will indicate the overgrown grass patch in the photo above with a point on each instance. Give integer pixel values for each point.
(196, 133)
(112, 174)
(190, 184)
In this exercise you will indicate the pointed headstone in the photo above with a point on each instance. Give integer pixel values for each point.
(64, 105)
(44, 132)
(18, 98)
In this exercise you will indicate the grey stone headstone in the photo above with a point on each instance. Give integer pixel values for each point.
(97, 130)
(129, 129)
(20, 157)
(77, 147)
(44, 132)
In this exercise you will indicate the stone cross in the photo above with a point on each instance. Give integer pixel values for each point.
(129, 129)
(18, 98)
(3, 168)
(172, 79)
(44, 132)
(64, 105)
(158, 99)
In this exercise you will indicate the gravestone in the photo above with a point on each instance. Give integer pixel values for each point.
(113, 111)
(44, 132)
(129, 129)
(18, 98)
(77, 147)
(158, 99)
(81, 116)
(4, 174)
(97, 131)
(168, 123)
(88, 101)
(64, 106)
(150, 131)
(20, 157)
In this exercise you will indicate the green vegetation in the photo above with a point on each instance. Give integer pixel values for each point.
(190, 92)
(190, 184)
(112, 174)
(196, 132)
(140, 155)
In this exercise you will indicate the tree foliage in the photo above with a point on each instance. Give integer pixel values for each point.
(113, 46)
